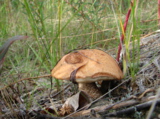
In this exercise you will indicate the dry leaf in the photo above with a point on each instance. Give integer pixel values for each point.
(74, 103)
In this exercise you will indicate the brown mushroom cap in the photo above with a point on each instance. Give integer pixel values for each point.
(91, 64)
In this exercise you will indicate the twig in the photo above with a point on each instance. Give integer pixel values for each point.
(146, 91)
(143, 21)
(60, 90)
(158, 12)
(82, 14)
(100, 108)
(98, 98)
(153, 104)
(132, 109)
(133, 100)
(48, 75)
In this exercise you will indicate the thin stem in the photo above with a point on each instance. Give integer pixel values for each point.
(124, 30)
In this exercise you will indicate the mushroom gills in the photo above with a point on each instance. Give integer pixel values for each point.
(90, 80)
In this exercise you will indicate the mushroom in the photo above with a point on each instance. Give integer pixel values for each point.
(86, 67)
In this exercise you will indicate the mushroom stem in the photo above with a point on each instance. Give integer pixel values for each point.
(90, 89)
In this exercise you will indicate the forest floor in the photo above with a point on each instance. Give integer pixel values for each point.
(139, 98)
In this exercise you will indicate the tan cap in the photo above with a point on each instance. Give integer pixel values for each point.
(92, 64)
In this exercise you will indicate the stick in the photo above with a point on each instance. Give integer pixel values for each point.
(48, 75)
(133, 100)
(153, 105)
(97, 98)
(132, 109)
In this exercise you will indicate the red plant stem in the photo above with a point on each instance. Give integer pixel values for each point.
(122, 36)
(158, 12)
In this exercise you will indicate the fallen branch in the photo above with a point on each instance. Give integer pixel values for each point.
(99, 108)
(103, 110)
(153, 104)
(133, 100)
(132, 109)
(98, 98)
